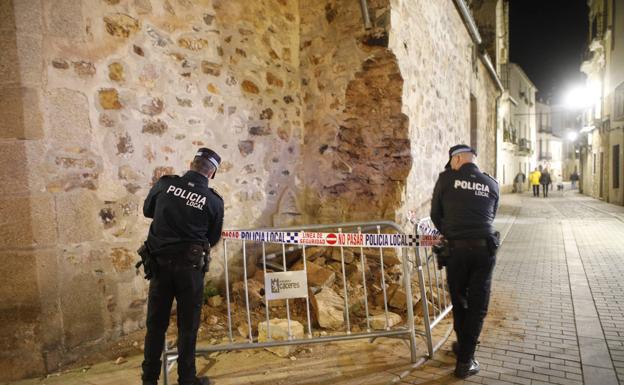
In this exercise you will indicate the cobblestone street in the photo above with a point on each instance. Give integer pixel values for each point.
(557, 308)
(556, 314)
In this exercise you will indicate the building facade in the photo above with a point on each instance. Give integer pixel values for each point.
(602, 140)
(519, 128)
(549, 149)
(492, 18)
(566, 123)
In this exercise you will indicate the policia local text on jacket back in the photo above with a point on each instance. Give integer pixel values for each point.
(187, 210)
(463, 207)
(187, 221)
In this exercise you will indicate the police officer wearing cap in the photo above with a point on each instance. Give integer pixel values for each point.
(463, 208)
(187, 221)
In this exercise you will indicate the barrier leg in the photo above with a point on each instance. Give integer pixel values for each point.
(368, 328)
(247, 292)
(344, 287)
(383, 281)
(424, 301)
(305, 268)
(227, 290)
(287, 303)
(410, 307)
(165, 365)
(266, 301)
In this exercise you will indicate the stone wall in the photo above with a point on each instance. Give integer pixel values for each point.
(100, 98)
(316, 118)
(441, 71)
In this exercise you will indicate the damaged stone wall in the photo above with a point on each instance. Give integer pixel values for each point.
(356, 146)
(382, 106)
(100, 98)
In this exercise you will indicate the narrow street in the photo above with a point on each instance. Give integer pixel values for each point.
(556, 315)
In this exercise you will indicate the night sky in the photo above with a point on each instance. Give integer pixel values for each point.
(547, 39)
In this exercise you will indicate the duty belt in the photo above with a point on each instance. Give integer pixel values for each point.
(463, 243)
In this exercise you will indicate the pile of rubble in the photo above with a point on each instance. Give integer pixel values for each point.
(327, 296)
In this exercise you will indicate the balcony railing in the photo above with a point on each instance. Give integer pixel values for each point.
(524, 145)
(509, 136)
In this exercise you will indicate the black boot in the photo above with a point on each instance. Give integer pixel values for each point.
(463, 370)
(150, 382)
(199, 381)
(455, 348)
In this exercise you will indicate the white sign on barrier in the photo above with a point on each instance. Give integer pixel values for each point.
(288, 284)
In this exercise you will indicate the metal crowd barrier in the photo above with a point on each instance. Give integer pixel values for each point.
(416, 261)
(435, 281)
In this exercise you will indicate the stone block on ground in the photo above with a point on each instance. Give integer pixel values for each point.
(215, 301)
(418, 309)
(378, 321)
(317, 275)
(329, 309)
(391, 260)
(255, 290)
(349, 256)
(313, 253)
(279, 332)
(436, 296)
(355, 276)
(399, 298)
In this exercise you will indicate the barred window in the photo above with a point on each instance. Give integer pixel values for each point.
(618, 102)
(616, 166)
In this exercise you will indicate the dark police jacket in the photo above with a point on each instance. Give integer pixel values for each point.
(184, 209)
(464, 203)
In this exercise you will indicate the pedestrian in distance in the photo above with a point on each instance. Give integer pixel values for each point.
(463, 208)
(534, 180)
(187, 221)
(545, 181)
(557, 180)
(519, 182)
(574, 177)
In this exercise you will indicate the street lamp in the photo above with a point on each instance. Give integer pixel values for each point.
(577, 98)
(572, 136)
(583, 96)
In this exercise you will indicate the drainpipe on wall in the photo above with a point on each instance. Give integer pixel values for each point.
(476, 39)
(365, 14)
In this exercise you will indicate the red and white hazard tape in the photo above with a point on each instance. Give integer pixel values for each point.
(333, 239)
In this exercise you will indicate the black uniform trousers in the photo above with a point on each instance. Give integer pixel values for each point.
(185, 283)
(536, 190)
(469, 275)
(545, 190)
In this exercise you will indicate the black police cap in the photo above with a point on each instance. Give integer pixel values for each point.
(458, 149)
(210, 156)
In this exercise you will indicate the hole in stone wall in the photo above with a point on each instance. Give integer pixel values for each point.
(373, 147)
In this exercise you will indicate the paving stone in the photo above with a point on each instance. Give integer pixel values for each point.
(598, 376)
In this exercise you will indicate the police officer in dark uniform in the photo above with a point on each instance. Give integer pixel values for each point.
(463, 208)
(188, 218)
